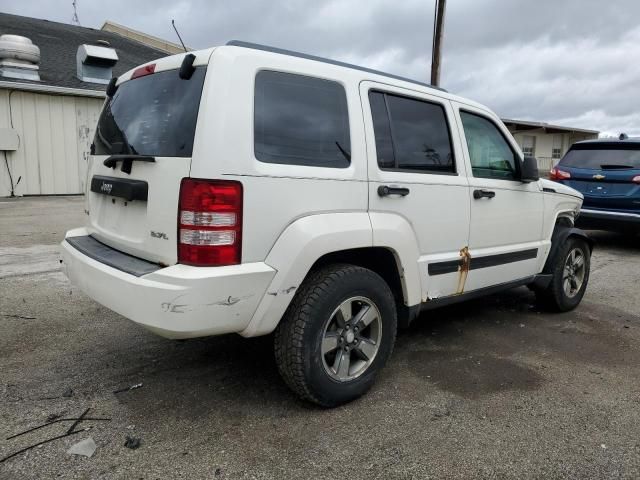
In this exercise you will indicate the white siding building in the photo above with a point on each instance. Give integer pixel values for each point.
(548, 143)
(49, 108)
(55, 131)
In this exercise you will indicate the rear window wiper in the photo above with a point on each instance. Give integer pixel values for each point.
(612, 166)
(127, 160)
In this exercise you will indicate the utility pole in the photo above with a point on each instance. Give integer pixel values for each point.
(436, 50)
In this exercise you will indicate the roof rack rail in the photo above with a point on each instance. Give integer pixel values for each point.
(291, 53)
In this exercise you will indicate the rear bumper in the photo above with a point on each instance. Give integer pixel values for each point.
(175, 302)
(607, 220)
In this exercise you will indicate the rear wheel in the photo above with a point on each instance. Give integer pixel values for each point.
(570, 276)
(336, 335)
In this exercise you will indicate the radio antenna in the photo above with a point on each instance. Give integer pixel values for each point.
(75, 18)
(173, 22)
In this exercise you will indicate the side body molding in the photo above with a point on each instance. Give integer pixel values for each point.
(294, 253)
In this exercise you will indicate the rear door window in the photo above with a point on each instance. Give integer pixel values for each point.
(411, 135)
(301, 120)
(151, 115)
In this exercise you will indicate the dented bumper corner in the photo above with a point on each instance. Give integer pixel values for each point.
(179, 301)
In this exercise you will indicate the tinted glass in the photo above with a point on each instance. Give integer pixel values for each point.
(151, 115)
(382, 130)
(301, 121)
(602, 158)
(420, 135)
(490, 154)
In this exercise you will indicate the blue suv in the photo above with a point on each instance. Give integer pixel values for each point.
(607, 173)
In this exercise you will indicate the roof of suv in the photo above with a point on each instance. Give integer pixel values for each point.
(437, 90)
(612, 142)
(291, 53)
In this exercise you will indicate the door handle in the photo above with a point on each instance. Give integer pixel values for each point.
(386, 190)
(478, 194)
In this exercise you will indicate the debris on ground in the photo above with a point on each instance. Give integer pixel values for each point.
(59, 420)
(126, 389)
(78, 420)
(86, 447)
(70, 431)
(132, 442)
(53, 416)
(68, 393)
(42, 443)
(13, 315)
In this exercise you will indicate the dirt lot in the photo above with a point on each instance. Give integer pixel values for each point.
(491, 388)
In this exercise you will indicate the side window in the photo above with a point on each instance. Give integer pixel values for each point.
(300, 120)
(490, 154)
(382, 131)
(411, 134)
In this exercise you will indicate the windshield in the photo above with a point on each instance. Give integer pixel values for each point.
(151, 115)
(599, 158)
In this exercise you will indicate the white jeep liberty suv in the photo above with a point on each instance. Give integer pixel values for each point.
(254, 190)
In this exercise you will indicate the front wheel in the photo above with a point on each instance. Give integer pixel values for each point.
(570, 276)
(336, 335)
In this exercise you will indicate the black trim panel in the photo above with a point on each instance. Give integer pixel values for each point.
(502, 259)
(451, 266)
(120, 187)
(102, 253)
(442, 268)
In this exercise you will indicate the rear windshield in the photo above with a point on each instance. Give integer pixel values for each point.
(599, 158)
(151, 115)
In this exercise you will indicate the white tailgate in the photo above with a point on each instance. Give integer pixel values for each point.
(148, 229)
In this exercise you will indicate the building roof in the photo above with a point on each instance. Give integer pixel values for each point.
(525, 125)
(58, 43)
(150, 40)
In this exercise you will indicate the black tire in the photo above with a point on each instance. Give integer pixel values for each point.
(554, 296)
(298, 338)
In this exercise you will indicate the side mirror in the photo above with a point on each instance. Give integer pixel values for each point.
(529, 172)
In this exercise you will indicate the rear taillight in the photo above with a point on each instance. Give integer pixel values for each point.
(209, 222)
(142, 71)
(557, 174)
(636, 179)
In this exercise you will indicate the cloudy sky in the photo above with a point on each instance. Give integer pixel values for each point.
(570, 62)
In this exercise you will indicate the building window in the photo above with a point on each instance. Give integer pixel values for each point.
(529, 145)
(556, 151)
(301, 120)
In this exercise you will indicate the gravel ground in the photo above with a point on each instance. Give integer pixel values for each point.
(492, 388)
